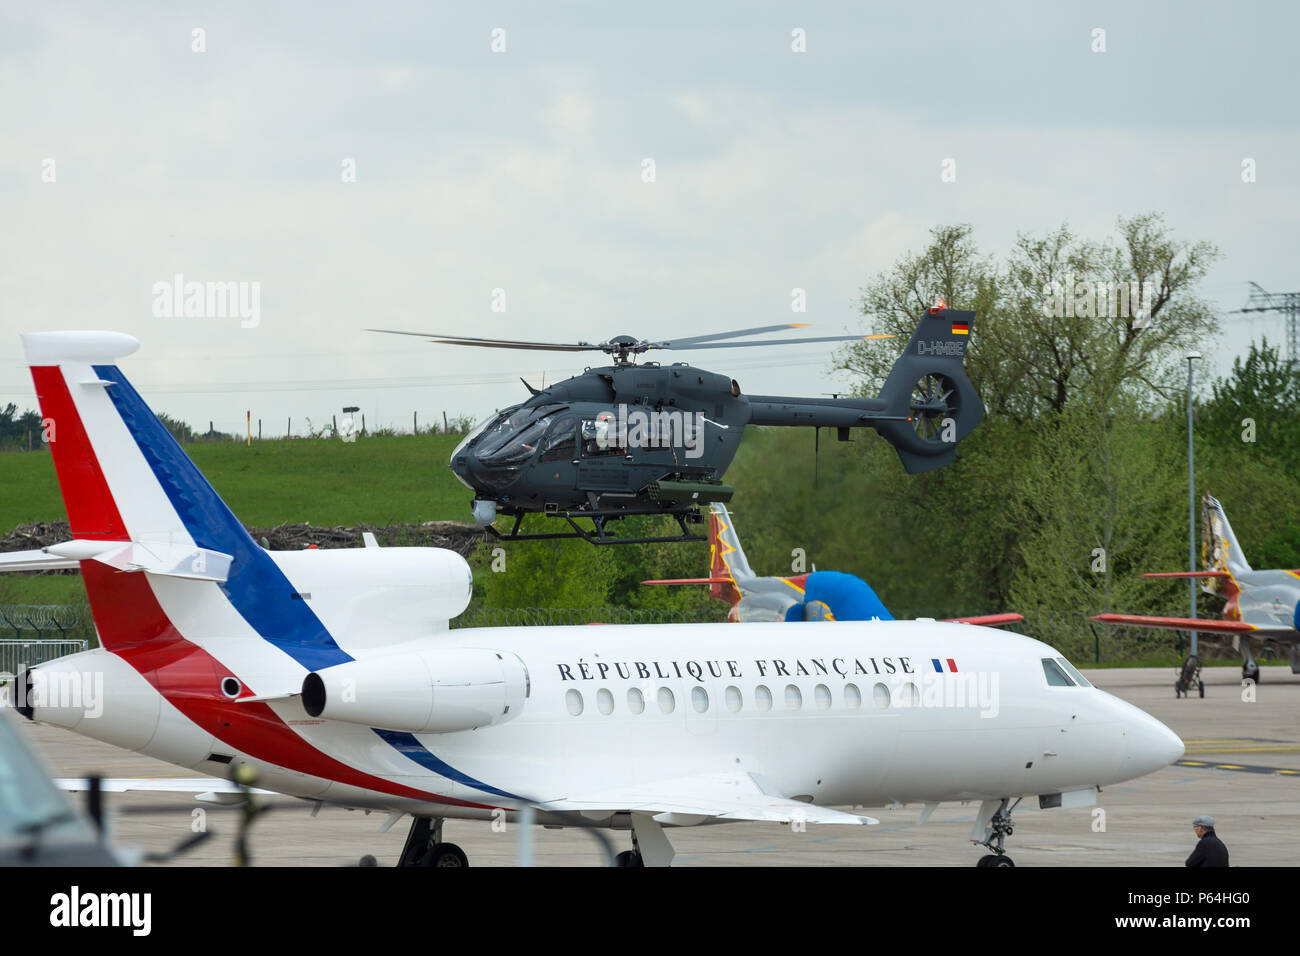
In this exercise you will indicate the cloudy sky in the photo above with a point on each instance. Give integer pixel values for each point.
(522, 170)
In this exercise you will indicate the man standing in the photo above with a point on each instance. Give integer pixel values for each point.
(1210, 850)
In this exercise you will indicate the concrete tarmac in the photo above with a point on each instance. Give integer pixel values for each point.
(1242, 767)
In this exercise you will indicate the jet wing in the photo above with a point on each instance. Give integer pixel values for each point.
(722, 796)
(1190, 624)
(986, 620)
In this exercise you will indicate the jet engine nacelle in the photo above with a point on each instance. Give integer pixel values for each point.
(99, 695)
(436, 691)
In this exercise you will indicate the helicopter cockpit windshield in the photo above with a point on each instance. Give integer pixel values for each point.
(516, 435)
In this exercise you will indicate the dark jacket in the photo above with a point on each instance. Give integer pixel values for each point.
(1209, 851)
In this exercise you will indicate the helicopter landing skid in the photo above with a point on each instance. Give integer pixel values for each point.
(598, 533)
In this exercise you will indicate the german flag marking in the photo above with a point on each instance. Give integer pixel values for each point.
(960, 328)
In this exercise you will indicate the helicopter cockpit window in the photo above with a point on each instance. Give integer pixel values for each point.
(561, 442)
(600, 435)
(518, 447)
(505, 426)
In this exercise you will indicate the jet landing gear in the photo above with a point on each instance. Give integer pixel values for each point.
(992, 827)
(1249, 666)
(649, 845)
(1189, 676)
(424, 846)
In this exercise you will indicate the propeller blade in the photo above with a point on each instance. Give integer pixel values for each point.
(495, 343)
(741, 345)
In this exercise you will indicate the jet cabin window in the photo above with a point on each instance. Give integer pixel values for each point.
(1055, 676)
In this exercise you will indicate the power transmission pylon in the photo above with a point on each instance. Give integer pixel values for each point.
(1285, 302)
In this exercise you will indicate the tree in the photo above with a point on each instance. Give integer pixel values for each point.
(1256, 408)
(555, 574)
(1058, 321)
(1101, 502)
(16, 430)
(179, 430)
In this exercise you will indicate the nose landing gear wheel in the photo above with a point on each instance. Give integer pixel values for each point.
(993, 859)
(629, 859)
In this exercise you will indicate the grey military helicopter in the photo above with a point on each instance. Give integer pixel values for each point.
(644, 438)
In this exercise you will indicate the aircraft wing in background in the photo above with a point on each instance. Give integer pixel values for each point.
(690, 581)
(986, 620)
(1190, 624)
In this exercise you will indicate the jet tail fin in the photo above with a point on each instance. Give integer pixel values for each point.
(1220, 550)
(136, 503)
(726, 556)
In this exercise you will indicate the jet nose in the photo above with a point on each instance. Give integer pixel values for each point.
(1151, 746)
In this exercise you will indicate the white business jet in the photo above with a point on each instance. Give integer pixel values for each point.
(331, 675)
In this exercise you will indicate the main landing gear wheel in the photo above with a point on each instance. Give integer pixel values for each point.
(629, 859)
(446, 854)
(999, 828)
(425, 847)
(1250, 672)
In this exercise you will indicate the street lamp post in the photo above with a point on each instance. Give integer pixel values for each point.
(1191, 500)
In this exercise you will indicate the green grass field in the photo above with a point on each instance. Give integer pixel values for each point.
(380, 480)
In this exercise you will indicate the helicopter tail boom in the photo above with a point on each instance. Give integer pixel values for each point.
(925, 408)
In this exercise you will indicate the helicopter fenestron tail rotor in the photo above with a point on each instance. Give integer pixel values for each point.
(623, 347)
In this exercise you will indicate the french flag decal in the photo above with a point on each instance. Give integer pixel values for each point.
(938, 667)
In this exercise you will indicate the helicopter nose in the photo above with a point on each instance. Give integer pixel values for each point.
(462, 468)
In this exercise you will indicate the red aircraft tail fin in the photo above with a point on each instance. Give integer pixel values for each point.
(725, 557)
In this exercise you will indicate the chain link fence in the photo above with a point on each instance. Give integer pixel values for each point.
(17, 654)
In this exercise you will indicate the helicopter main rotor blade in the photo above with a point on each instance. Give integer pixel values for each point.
(495, 343)
(758, 330)
(741, 345)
